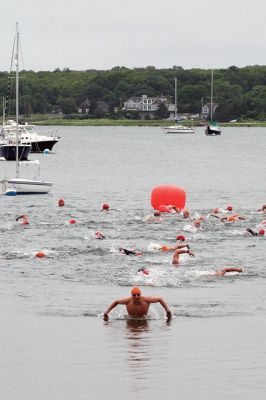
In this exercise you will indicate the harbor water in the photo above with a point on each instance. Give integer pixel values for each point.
(53, 340)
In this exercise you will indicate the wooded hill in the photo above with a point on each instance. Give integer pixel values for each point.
(240, 92)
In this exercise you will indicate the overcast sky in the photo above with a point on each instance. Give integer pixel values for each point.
(101, 34)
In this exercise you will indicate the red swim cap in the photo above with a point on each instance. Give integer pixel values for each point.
(229, 208)
(261, 232)
(72, 221)
(181, 238)
(105, 206)
(61, 203)
(40, 254)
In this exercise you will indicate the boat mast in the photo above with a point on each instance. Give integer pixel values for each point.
(211, 94)
(17, 97)
(175, 98)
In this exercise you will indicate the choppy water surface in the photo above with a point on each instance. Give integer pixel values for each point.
(51, 307)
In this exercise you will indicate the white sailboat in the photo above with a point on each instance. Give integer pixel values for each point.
(212, 128)
(178, 128)
(18, 184)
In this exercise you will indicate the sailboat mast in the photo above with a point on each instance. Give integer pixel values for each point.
(212, 94)
(175, 98)
(17, 96)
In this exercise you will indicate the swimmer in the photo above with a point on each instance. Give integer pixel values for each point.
(173, 248)
(137, 305)
(254, 233)
(144, 270)
(156, 217)
(181, 238)
(223, 271)
(61, 203)
(216, 210)
(24, 218)
(193, 228)
(185, 213)
(129, 252)
(99, 235)
(229, 208)
(231, 218)
(174, 210)
(177, 253)
(105, 207)
(262, 209)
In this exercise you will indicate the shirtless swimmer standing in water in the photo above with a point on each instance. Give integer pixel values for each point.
(137, 305)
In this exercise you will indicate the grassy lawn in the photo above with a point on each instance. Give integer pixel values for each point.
(55, 119)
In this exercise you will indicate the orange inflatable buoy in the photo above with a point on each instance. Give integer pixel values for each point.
(61, 203)
(164, 196)
(40, 254)
(72, 221)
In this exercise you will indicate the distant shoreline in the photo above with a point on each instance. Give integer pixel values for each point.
(54, 121)
(143, 123)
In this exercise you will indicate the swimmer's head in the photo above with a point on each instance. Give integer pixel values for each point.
(261, 232)
(181, 238)
(105, 207)
(197, 223)
(233, 218)
(157, 213)
(185, 213)
(216, 210)
(229, 208)
(164, 248)
(61, 203)
(135, 291)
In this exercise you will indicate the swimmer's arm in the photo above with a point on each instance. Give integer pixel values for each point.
(253, 233)
(115, 303)
(215, 216)
(21, 216)
(161, 301)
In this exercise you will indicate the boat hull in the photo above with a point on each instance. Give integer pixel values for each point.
(40, 146)
(26, 186)
(8, 151)
(212, 131)
(179, 130)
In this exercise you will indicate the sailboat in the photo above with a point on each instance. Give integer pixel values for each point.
(212, 128)
(8, 144)
(178, 128)
(18, 184)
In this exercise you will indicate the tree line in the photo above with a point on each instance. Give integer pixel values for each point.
(239, 92)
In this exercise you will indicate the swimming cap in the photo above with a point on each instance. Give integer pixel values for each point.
(229, 208)
(164, 248)
(40, 254)
(232, 218)
(135, 290)
(105, 206)
(261, 232)
(61, 203)
(197, 223)
(181, 238)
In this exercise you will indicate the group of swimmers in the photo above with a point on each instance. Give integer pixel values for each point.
(138, 305)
